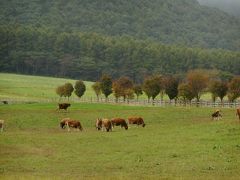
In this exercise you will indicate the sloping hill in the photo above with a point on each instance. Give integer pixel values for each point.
(169, 21)
(229, 6)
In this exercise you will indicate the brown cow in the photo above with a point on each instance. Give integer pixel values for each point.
(99, 124)
(216, 114)
(136, 120)
(67, 122)
(238, 112)
(63, 106)
(106, 123)
(1, 125)
(119, 122)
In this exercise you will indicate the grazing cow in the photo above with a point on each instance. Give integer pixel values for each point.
(216, 115)
(1, 125)
(99, 124)
(5, 102)
(119, 122)
(67, 122)
(136, 120)
(238, 112)
(106, 124)
(63, 106)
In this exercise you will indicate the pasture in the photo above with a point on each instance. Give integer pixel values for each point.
(36, 88)
(177, 142)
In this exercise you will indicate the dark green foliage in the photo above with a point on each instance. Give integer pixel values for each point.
(171, 86)
(106, 85)
(80, 88)
(42, 51)
(152, 86)
(218, 89)
(168, 21)
(138, 90)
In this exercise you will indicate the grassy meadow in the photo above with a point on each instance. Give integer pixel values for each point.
(25, 87)
(36, 88)
(177, 143)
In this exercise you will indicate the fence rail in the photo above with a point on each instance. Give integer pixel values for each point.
(140, 102)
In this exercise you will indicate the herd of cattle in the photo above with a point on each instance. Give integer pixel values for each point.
(108, 125)
(103, 124)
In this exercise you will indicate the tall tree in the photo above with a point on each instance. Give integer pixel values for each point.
(234, 89)
(106, 85)
(123, 87)
(68, 89)
(197, 81)
(138, 90)
(80, 88)
(218, 89)
(171, 87)
(60, 91)
(97, 89)
(185, 91)
(152, 86)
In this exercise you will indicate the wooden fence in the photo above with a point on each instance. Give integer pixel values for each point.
(140, 102)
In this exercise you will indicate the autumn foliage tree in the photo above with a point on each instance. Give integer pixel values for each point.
(234, 89)
(80, 88)
(97, 89)
(65, 90)
(123, 87)
(68, 89)
(197, 81)
(60, 91)
(185, 91)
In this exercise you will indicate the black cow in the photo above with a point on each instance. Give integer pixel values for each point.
(63, 106)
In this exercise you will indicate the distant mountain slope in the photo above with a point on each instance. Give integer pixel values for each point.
(169, 21)
(229, 6)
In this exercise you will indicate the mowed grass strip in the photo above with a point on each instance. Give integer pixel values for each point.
(176, 143)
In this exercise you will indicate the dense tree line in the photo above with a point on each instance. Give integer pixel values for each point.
(183, 22)
(87, 56)
(192, 86)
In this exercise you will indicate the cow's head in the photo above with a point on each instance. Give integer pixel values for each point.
(143, 125)
(62, 124)
(99, 124)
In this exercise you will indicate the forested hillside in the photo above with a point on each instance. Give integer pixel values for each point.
(41, 51)
(183, 22)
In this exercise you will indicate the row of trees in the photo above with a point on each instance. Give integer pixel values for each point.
(192, 86)
(40, 51)
(67, 89)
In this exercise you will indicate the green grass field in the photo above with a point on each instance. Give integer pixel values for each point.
(35, 88)
(177, 143)
(25, 87)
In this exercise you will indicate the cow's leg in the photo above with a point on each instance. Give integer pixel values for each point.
(68, 126)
